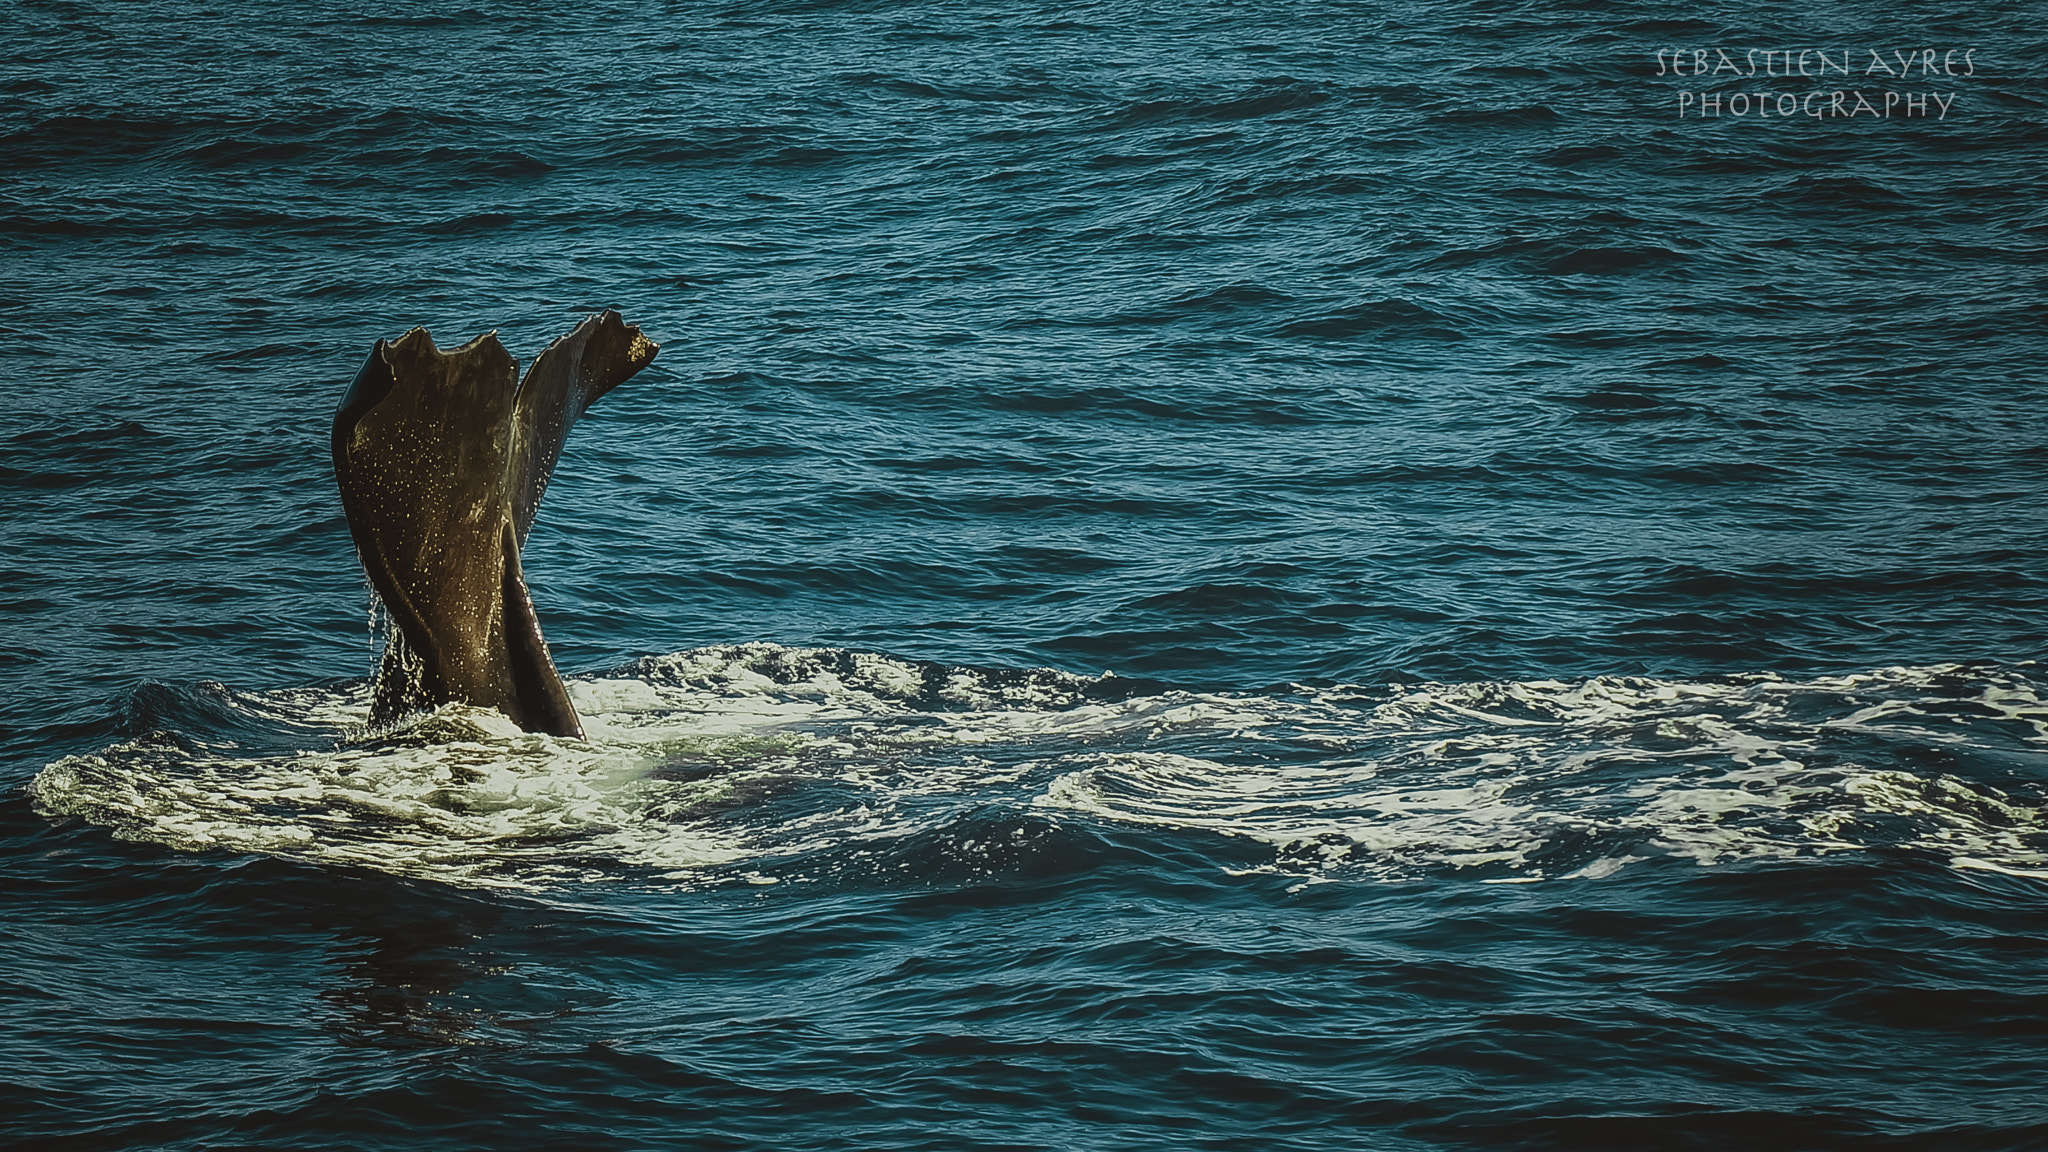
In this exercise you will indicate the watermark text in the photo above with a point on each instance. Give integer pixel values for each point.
(1886, 84)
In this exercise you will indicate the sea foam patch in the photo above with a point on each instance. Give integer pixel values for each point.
(759, 762)
(1547, 779)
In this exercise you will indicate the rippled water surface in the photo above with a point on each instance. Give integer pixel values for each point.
(1214, 575)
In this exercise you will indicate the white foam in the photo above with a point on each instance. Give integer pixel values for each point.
(720, 765)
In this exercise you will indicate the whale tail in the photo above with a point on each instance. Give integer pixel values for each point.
(442, 459)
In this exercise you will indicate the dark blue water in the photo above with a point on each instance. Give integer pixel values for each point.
(1220, 575)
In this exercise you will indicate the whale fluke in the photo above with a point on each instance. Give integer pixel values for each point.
(442, 459)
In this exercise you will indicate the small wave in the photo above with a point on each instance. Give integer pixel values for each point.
(801, 156)
(1613, 401)
(469, 225)
(1267, 98)
(242, 151)
(507, 162)
(1249, 189)
(424, 20)
(1837, 192)
(954, 91)
(110, 443)
(238, 356)
(1389, 319)
(1523, 116)
(46, 226)
(1609, 261)
(109, 138)
(1574, 155)
(1202, 305)
(1228, 297)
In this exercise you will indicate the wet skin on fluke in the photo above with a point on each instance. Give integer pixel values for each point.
(442, 459)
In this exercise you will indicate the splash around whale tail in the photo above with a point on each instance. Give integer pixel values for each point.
(442, 459)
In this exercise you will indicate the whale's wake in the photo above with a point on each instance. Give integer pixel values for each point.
(762, 764)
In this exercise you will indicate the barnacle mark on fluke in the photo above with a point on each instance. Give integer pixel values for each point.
(442, 459)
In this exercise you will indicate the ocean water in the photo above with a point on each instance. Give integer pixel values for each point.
(1217, 575)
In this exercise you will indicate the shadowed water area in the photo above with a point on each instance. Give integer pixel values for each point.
(1226, 575)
